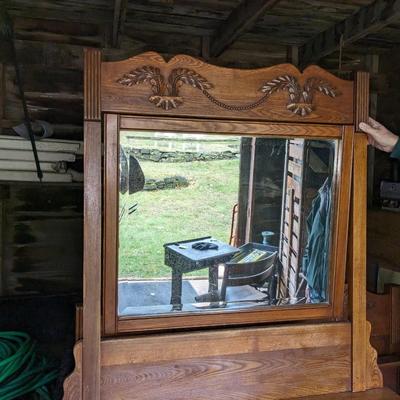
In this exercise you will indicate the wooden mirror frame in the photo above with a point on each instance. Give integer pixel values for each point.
(147, 93)
(235, 102)
(332, 310)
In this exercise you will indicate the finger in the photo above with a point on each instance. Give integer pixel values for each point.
(367, 128)
(374, 123)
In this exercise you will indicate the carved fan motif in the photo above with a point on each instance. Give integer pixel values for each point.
(165, 94)
(300, 98)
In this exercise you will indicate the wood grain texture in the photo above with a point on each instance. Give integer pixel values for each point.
(225, 378)
(256, 315)
(343, 178)
(188, 95)
(228, 364)
(366, 374)
(231, 127)
(357, 261)
(377, 394)
(227, 342)
(111, 224)
(374, 377)
(92, 262)
(91, 89)
(361, 99)
(209, 87)
(365, 371)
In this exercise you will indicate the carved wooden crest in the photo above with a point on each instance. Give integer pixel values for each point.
(166, 91)
(301, 99)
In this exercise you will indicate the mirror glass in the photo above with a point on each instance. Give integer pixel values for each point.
(218, 222)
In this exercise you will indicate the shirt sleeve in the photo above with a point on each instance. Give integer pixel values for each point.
(396, 151)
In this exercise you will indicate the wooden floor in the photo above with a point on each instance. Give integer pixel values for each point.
(378, 394)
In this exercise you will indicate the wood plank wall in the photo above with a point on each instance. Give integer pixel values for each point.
(292, 218)
(41, 240)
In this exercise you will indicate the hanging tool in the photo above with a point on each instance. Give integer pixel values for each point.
(7, 36)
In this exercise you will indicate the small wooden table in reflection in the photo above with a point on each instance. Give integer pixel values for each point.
(182, 258)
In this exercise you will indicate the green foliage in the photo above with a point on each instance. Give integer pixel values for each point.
(202, 209)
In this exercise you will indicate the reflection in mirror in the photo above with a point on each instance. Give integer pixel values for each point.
(217, 222)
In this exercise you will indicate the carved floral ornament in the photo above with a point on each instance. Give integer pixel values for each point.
(166, 91)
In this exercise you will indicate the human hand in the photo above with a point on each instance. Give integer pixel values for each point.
(379, 136)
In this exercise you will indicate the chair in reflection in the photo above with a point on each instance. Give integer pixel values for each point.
(238, 272)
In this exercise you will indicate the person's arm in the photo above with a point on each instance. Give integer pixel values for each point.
(396, 150)
(381, 138)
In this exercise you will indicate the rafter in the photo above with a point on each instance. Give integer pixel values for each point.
(368, 19)
(118, 21)
(241, 19)
(2, 95)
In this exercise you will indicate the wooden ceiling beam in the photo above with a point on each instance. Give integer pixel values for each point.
(119, 19)
(368, 19)
(85, 14)
(241, 19)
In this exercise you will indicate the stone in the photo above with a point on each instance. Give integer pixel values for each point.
(157, 155)
(182, 181)
(150, 186)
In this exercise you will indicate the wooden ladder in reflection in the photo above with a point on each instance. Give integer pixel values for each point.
(234, 225)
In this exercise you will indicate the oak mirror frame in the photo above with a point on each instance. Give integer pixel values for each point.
(115, 126)
(134, 96)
